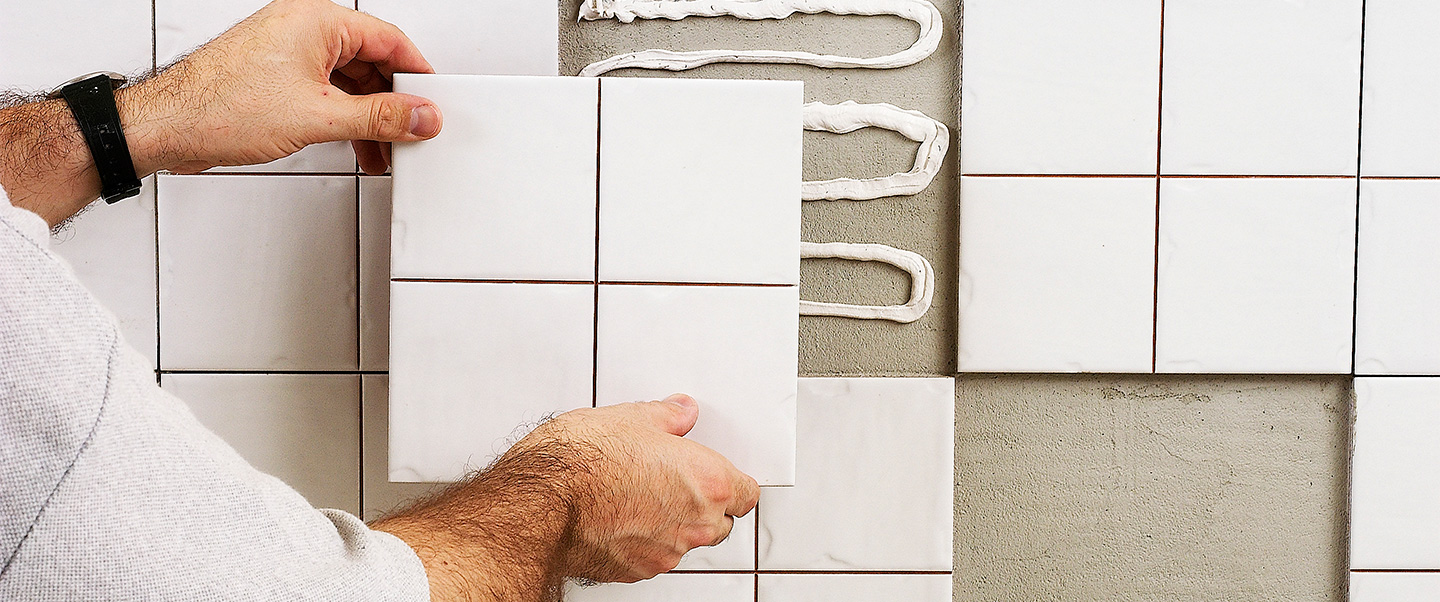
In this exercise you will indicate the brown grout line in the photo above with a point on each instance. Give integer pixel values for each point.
(1055, 175)
(265, 173)
(277, 372)
(156, 184)
(1159, 150)
(802, 572)
(1400, 178)
(722, 284)
(595, 307)
(1395, 571)
(489, 281)
(360, 338)
(1359, 159)
(1191, 176)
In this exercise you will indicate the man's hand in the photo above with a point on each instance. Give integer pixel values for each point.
(608, 494)
(297, 72)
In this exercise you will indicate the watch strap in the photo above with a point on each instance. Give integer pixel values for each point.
(92, 102)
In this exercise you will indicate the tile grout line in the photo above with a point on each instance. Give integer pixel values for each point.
(1188, 176)
(1359, 161)
(1159, 150)
(360, 339)
(592, 282)
(595, 306)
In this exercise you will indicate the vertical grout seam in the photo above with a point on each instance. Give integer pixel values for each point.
(1359, 159)
(360, 336)
(595, 307)
(1159, 144)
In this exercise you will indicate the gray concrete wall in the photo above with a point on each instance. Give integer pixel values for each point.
(1124, 488)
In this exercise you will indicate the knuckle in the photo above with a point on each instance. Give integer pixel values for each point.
(387, 120)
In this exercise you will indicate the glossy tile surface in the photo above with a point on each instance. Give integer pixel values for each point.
(731, 348)
(854, 588)
(736, 553)
(700, 181)
(1396, 325)
(257, 273)
(1256, 276)
(111, 248)
(1394, 587)
(507, 190)
(1261, 87)
(44, 44)
(1056, 274)
(380, 496)
(473, 365)
(669, 588)
(1060, 88)
(375, 273)
(1401, 130)
(874, 483)
(495, 37)
(301, 428)
(1393, 483)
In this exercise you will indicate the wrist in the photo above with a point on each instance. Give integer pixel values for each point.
(150, 129)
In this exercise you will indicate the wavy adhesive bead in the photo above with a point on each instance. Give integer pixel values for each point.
(922, 281)
(920, 12)
(848, 116)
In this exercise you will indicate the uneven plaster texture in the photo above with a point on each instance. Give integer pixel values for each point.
(1123, 488)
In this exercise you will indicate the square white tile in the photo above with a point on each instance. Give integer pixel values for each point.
(1060, 88)
(494, 37)
(1268, 87)
(1393, 483)
(380, 496)
(374, 273)
(854, 588)
(301, 428)
(1056, 274)
(258, 272)
(183, 25)
(507, 190)
(1256, 276)
(736, 553)
(1401, 130)
(733, 348)
(1394, 587)
(874, 488)
(700, 180)
(473, 363)
(1396, 325)
(673, 587)
(47, 43)
(112, 250)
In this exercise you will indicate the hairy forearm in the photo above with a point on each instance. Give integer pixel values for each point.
(45, 165)
(500, 535)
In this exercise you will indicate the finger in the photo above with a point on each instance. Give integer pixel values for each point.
(384, 117)
(372, 161)
(381, 44)
(746, 494)
(675, 414)
(725, 529)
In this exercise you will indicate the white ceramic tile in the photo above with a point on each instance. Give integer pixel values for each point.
(700, 180)
(47, 43)
(1394, 587)
(301, 428)
(1256, 276)
(1261, 87)
(1056, 274)
(736, 553)
(734, 349)
(875, 478)
(496, 37)
(669, 588)
(374, 273)
(472, 363)
(380, 495)
(1393, 483)
(183, 25)
(257, 272)
(1401, 130)
(1396, 325)
(507, 190)
(112, 250)
(854, 588)
(1060, 87)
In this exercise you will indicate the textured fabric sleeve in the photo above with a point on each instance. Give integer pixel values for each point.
(111, 490)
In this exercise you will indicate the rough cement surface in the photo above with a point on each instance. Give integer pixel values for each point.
(1067, 487)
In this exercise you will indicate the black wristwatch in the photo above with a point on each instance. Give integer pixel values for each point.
(92, 101)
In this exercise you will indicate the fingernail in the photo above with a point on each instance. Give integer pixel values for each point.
(681, 399)
(424, 121)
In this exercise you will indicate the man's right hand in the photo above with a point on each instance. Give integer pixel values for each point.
(607, 494)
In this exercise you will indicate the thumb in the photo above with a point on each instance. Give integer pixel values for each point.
(675, 414)
(383, 117)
